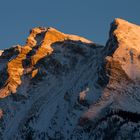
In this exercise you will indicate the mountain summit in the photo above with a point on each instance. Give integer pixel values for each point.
(65, 87)
(38, 46)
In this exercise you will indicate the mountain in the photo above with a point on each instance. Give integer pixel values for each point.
(65, 87)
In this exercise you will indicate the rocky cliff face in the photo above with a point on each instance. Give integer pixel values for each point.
(61, 86)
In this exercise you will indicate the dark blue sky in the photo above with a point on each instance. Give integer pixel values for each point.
(88, 18)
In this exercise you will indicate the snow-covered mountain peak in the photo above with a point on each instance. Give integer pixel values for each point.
(65, 87)
(51, 35)
(125, 40)
(42, 42)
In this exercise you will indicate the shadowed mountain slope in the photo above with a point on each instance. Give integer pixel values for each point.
(65, 87)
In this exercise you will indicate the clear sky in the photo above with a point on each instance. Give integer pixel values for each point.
(87, 18)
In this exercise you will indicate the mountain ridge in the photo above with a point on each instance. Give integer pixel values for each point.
(61, 86)
(47, 37)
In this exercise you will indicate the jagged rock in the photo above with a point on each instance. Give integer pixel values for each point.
(127, 47)
(15, 67)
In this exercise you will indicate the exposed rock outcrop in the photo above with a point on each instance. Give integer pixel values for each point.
(126, 37)
(39, 41)
(120, 98)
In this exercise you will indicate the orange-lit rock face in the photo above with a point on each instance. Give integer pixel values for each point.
(31, 41)
(34, 73)
(128, 52)
(51, 37)
(15, 67)
(15, 71)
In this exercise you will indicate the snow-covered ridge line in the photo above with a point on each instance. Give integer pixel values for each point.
(39, 41)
